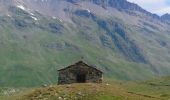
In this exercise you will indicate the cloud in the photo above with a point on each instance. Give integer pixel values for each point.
(163, 10)
(147, 2)
(155, 6)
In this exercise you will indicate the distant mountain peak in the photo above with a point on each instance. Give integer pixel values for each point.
(51, 7)
(166, 17)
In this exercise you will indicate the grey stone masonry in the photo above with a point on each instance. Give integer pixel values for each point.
(79, 72)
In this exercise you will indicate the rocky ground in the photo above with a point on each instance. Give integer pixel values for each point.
(155, 89)
(87, 91)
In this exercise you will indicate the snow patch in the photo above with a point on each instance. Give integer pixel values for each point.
(88, 10)
(57, 18)
(21, 7)
(34, 18)
(54, 17)
(31, 14)
(60, 20)
(8, 15)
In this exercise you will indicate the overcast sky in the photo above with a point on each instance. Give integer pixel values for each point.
(155, 6)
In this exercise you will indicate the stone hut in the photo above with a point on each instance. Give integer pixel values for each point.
(79, 72)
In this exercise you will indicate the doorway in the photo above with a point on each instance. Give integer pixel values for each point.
(81, 78)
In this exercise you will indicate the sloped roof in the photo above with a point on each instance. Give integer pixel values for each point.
(81, 62)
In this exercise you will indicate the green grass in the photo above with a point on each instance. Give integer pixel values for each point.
(27, 60)
(31, 55)
(109, 97)
(159, 87)
(156, 89)
(83, 92)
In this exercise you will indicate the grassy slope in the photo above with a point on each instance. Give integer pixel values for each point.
(31, 51)
(30, 57)
(83, 92)
(156, 89)
(159, 88)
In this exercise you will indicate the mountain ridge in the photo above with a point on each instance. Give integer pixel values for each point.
(118, 4)
(38, 37)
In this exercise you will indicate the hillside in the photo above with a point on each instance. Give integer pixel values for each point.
(39, 37)
(156, 89)
(83, 92)
(159, 87)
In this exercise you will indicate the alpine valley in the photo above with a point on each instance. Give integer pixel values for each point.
(38, 37)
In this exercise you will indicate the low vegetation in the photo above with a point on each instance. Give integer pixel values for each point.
(157, 89)
(87, 91)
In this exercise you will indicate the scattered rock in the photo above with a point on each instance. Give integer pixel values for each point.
(79, 93)
(107, 84)
(59, 98)
(44, 85)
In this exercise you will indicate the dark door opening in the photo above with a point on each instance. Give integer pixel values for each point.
(81, 78)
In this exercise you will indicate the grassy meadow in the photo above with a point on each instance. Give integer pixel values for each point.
(156, 89)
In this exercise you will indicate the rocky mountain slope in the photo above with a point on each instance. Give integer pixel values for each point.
(37, 37)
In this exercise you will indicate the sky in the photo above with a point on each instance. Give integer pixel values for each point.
(159, 7)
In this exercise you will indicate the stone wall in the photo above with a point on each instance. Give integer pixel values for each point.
(69, 74)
